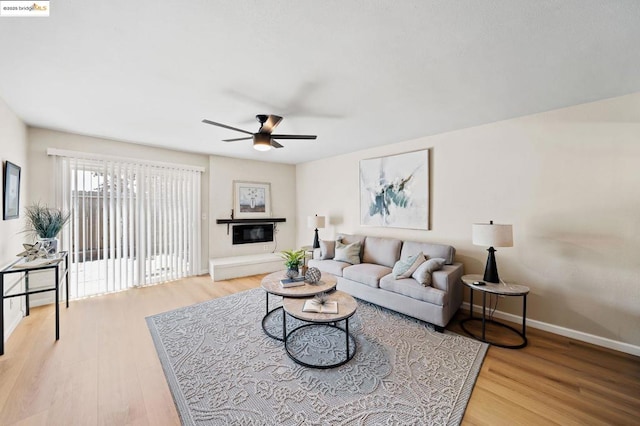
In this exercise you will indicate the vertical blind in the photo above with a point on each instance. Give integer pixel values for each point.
(132, 224)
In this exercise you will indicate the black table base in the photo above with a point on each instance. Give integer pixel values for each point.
(58, 277)
(491, 321)
(485, 320)
(264, 321)
(267, 316)
(350, 343)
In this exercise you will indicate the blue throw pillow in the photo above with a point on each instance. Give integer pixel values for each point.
(404, 268)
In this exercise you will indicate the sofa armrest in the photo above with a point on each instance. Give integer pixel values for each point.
(449, 280)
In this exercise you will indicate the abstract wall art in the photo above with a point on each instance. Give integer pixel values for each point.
(394, 191)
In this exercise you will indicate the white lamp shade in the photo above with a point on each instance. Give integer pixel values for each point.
(315, 221)
(492, 235)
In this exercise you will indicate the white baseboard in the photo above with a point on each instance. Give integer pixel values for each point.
(563, 331)
(13, 315)
(12, 326)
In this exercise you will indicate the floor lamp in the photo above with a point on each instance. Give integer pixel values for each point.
(315, 222)
(492, 235)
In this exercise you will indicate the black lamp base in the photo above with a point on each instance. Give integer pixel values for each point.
(316, 241)
(491, 270)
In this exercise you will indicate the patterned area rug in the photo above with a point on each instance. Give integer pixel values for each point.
(222, 369)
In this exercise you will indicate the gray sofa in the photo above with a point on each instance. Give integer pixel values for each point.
(372, 280)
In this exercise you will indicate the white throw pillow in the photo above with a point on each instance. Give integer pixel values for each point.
(349, 253)
(424, 271)
(327, 249)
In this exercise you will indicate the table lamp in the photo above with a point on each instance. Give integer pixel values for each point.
(315, 222)
(492, 235)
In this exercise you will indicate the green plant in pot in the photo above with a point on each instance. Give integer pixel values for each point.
(46, 223)
(292, 260)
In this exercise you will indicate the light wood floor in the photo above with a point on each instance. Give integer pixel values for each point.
(105, 370)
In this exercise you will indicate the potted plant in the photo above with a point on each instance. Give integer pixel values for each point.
(292, 260)
(46, 223)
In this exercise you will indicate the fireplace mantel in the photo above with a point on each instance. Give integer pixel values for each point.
(252, 220)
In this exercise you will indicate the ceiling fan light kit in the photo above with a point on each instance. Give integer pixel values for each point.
(262, 142)
(263, 139)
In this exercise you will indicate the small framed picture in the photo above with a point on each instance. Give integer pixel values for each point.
(251, 199)
(11, 195)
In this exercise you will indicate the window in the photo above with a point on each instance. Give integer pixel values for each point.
(132, 224)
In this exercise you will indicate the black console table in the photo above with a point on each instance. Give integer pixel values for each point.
(16, 267)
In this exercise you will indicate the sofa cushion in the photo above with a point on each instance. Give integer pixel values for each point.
(366, 273)
(405, 267)
(332, 267)
(413, 289)
(423, 273)
(349, 239)
(327, 249)
(381, 251)
(448, 253)
(349, 253)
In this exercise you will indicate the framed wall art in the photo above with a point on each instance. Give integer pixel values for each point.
(11, 193)
(394, 191)
(251, 200)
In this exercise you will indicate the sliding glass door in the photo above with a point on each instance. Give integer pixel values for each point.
(131, 224)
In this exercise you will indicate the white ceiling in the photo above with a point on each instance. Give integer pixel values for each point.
(357, 73)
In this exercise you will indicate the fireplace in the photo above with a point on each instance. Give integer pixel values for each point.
(257, 233)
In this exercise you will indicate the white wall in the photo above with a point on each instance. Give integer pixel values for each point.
(569, 182)
(13, 148)
(42, 167)
(282, 177)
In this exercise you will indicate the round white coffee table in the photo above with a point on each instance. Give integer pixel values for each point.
(271, 285)
(347, 306)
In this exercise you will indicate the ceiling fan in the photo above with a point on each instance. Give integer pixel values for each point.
(263, 139)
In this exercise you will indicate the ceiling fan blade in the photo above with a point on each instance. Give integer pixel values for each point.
(276, 144)
(225, 126)
(294, 136)
(237, 139)
(271, 123)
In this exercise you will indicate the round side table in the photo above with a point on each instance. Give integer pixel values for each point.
(347, 306)
(508, 290)
(271, 285)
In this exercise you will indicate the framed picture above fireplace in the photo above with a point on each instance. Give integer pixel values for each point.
(251, 199)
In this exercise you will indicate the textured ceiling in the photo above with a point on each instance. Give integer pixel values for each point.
(356, 73)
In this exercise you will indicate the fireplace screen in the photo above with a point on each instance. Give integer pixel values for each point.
(258, 233)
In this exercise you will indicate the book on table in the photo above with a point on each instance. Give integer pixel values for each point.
(292, 282)
(313, 305)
